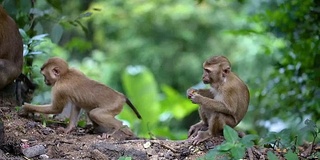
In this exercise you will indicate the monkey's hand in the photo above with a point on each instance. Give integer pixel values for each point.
(191, 92)
(196, 98)
(24, 111)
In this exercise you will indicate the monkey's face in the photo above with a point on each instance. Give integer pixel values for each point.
(206, 76)
(50, 75)
(211, 74)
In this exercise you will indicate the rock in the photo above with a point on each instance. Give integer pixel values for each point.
(34, 151)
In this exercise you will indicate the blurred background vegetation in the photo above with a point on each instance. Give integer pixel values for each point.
(153, 50)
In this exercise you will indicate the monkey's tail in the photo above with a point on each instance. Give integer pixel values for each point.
(133, 108)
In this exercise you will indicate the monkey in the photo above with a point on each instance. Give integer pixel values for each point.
(71, 87)
(11, 50)
(224, 103)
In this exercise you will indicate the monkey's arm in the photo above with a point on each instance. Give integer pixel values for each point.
(205, 93)
(56, 107)
(212, 104)
(46, 109)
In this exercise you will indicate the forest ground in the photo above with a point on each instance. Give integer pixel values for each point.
(21, 133)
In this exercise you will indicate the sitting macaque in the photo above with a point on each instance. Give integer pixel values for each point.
(72, 87)
(11, 50)
(225, 103)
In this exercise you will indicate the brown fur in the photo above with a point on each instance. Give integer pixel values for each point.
(225, 103)
(70, 86)
(11, 50)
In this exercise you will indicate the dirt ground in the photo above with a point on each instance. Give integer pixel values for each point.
(23, 134)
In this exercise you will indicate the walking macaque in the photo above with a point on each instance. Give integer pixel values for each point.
(11, 50)
(225, 103)
(72, 87)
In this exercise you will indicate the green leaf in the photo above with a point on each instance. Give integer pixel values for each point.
(230, 134)
(124, 158)
(215, 154)
(82, 123)
(56, 33)
(141, 88)
(247, 140)
(175, 103)
(23, 34)
(292, 156)
(87, 14)
(225, 147)
(56, 4)
(310, 125)
(237, 152)
(272, 156)
(39, 37)
(36, 52)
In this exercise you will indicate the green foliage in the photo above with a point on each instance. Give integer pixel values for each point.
(140, 85)
(273, 47)
(82, 123)
(142, 89)
(286, 141)
(124, 158)
(271, 156)
(289, 140)
(30, 50)
(234, 147)
(292, 156)
(175, 104)
(293, 81)
(292, 138)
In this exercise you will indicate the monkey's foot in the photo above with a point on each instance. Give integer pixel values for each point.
(202, 136)
(193, 131)
(104, 136)
(107, 135)
(126, 130)
(197, 141)
(65, 130)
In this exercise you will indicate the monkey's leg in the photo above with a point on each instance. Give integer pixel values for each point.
(202, 125)
(73, 118)
(8, 72)
(214, 123)
(104, 119)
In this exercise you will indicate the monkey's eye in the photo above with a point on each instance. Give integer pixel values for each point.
(207, 70)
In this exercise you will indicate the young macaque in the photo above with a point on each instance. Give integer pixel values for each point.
(11, 50)
(225, 103)
(72, 87)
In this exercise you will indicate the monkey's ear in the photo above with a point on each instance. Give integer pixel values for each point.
(226, 71)
(56, 71)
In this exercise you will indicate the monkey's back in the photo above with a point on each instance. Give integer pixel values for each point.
(240, 92)
(9, 37)
(88, 94)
